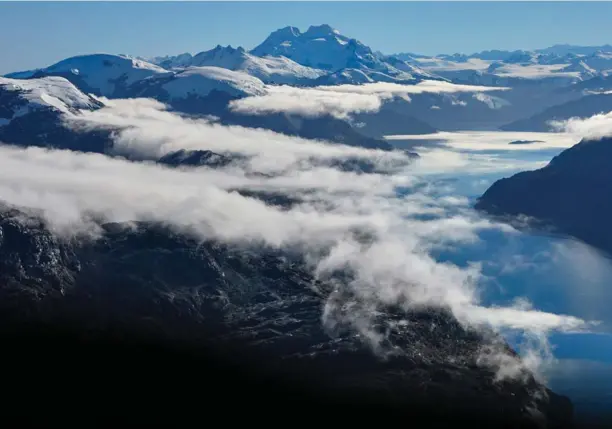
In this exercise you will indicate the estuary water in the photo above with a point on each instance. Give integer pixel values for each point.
(555, 274)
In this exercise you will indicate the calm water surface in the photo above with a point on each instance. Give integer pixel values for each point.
(558, 275)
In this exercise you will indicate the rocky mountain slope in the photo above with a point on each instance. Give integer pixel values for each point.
(258, 309)
(572, 194)
(31, 113)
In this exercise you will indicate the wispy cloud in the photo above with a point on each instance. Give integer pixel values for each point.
(488, 141)
(595, 127)
(342, 100)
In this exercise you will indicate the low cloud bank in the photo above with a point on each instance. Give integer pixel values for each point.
(341, 101)
(149, 131)
(595, 127)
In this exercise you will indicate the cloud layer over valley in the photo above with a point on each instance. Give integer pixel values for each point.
(342, 100)
(382, 227)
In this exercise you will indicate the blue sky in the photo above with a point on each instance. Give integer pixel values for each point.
(38, 34)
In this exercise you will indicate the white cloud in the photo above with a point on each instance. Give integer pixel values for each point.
(393, 267)
(308, 102)
(595, 127)
(342, 100)
(535, 71)
(149, 131)
(477, 141)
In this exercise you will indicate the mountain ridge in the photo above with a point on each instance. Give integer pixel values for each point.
(570, 194)
(194, 291)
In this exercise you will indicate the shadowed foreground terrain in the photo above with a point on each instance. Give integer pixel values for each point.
(149, 323)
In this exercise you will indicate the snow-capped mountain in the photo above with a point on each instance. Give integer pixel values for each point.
(323, 47)
(32, 113)
(539, 79)
(574, 49)
(344, 77)
(598, 84)
(599, 61)
(497, 55)
(546, 84)
(320, 46)
(197, 82)
(200, 81)
(172, 61)
(32, 110)
(582, 68)
(564, 64)
(271, 70)
(320, 56)
(100, 74)
(22, 97)
(280, 70)
(205, 83)
(516, 70)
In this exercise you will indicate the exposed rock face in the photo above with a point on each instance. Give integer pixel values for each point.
(259, 309)
(195, 158)
(573, 193)
(33, 263)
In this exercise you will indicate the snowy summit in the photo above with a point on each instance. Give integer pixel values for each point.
(100, 74)
(49, 93)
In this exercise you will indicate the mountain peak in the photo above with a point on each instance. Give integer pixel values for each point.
(221, 56)
(47, 93)
(322, 47)
(289, 30)
(321, 31)
(283, 34)
(229, 49)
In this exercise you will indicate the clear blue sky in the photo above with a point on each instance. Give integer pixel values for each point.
(39, 34)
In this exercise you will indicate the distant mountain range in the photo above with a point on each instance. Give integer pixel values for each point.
(598, 58)
(552, 83)
(546, 83)
(203, 84)
(288, 56)
(270, 69)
